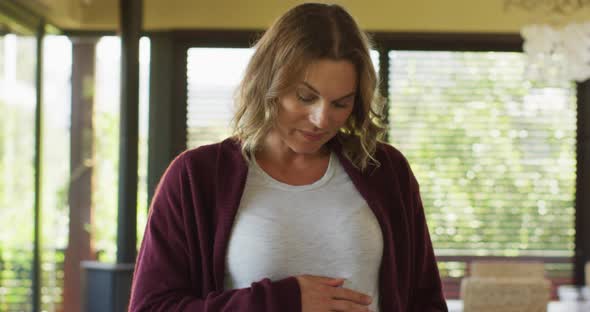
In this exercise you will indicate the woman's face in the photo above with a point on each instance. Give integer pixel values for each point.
(319, 105)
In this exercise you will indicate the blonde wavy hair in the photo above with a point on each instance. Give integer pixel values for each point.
(307, 33)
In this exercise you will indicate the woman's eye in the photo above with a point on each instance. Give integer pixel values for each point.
(306, 99)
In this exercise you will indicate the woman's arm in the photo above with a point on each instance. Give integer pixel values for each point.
(165, 272)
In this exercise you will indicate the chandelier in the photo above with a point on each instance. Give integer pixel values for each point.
(558, 52)
(558, 49)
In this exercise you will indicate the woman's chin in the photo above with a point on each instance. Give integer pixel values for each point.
(307, 148)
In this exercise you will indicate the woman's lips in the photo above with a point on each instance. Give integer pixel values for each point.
(312, 136)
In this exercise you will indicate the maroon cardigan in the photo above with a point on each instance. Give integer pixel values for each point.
(181, 262)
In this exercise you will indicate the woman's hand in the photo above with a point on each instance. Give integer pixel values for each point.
(322, 294)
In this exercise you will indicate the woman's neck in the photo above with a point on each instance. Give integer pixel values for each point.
(276, 152)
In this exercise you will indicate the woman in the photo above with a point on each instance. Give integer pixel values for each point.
(303, 209)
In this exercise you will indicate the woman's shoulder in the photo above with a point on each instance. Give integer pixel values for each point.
(210, 153)
(206, 159)
(389, 153)
(394, 162)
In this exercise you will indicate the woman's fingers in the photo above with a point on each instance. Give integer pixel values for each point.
(329, 281)
(341, 293)
(351, 295)
(348, 306)
(320, 293)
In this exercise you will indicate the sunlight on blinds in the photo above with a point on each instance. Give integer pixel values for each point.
(493, 152)
(213, 76)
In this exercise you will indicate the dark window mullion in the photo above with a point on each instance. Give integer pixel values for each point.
(582, 202)
(36, 278)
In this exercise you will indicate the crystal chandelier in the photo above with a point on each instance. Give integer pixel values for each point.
(560, 50)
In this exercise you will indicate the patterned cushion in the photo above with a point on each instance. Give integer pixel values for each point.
(506, 287)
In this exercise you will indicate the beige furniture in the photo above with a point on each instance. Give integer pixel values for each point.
(506, 286)
(587, 270)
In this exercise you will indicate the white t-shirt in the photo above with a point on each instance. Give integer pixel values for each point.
(325, 228)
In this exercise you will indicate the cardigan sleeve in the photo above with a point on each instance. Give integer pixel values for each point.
(166, 277)
(427, 294)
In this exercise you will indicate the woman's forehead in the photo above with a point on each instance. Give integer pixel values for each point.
(335, 77)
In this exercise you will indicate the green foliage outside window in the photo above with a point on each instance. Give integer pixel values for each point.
(493, 152)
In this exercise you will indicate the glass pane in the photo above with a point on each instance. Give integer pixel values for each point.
(17, 150)
(494, 153)
(106, 126)
(213, 76)
(106, 122)
(144, 80)
(57, 61)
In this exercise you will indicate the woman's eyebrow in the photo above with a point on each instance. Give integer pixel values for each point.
(317, 92)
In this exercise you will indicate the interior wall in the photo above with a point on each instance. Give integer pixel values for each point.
(62, 13)
(377, 15)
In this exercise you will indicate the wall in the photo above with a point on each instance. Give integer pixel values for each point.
(63, 13)
(383, 15)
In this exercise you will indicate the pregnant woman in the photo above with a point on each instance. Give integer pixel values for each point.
(303, 208)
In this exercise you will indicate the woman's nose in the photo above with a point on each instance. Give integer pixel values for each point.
(319, 115)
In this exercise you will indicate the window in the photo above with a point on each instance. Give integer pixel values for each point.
(106, 123)
(17, 151)
(213, 76)
(17, 148)
(57, 67)
(494, 154)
